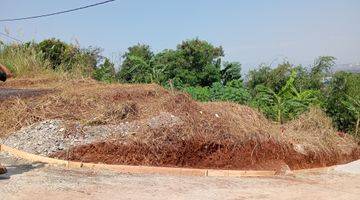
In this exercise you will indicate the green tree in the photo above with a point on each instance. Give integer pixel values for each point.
(257, 77)
(342, 86)
(275, 78)
(279, 75)
(320, 70)
(54, 50)
(136, 67)
(67, 56)
(231, 71)
(353, 105)
(194, 63)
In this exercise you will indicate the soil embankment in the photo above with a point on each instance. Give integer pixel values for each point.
(148, 125)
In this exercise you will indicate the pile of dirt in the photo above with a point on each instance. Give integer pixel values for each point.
(220, 135)
(168, 128)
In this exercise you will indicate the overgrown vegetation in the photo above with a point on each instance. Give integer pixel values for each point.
(282, 93)
(49, 56)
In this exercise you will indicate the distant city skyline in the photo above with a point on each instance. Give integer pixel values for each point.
(251, 32)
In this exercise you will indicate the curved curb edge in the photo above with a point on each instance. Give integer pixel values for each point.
(151, 170)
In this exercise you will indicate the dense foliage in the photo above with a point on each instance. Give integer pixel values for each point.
(50, 54)
(342, 100)
(285, 104)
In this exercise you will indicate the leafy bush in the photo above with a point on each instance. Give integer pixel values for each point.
(353, 106)
(68, 57)
(342, 87)
(55, 51)
(199, 93)
(105, 72)
(286, 104)
(233, 91)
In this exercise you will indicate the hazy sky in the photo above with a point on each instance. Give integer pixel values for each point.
(250, 32)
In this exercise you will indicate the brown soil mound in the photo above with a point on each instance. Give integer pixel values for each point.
(211, 135)
(199, 153)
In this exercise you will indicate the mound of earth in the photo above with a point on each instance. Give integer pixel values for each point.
(149, 125)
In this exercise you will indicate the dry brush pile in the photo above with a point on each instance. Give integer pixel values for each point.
(212, 135)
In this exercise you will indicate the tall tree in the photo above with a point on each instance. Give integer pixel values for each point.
(275, 78)
(136, 67)
(202, 60)
(320, 70)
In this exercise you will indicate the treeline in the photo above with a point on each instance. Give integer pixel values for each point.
(195, 66)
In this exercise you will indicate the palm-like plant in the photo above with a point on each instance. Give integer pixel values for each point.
(353, 106)
(285, 104)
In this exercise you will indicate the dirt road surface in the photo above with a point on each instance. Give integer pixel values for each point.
(32, 181)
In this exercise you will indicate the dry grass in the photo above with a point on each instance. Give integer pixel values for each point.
(83, 100)
(315, 131)
(207, 127)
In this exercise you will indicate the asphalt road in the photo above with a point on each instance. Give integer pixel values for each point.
(6, 93)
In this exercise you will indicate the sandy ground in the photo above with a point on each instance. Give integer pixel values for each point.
(26, 180)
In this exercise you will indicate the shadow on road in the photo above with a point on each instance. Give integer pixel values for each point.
(19, 169)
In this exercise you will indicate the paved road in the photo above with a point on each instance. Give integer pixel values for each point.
(38, 181)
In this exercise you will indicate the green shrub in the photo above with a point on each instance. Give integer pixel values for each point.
(342, 86)
(105, 72)
(286, 104)
(24, 60)
(68, 57)
(199, 93)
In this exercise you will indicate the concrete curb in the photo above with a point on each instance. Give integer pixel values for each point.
(151, 170)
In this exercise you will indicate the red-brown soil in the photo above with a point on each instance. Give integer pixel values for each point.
(267, 155)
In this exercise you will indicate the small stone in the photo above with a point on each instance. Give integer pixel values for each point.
(284, 170)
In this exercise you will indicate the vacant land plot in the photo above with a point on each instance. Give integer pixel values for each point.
(146, 124)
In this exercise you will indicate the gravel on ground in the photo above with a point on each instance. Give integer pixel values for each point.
(47, 137)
